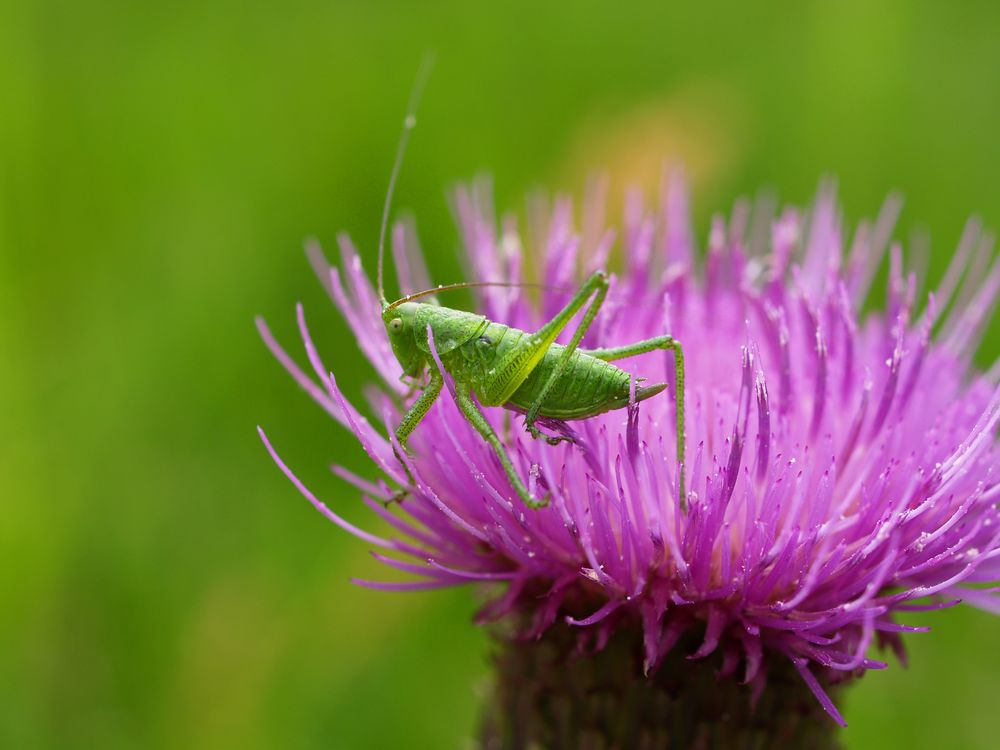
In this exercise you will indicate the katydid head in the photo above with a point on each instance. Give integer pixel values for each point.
(400, 321)
(406, 328)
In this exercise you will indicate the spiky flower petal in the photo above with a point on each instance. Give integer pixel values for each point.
(842, 465)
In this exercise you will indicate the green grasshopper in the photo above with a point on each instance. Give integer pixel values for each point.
(504, 366)
(528, 372)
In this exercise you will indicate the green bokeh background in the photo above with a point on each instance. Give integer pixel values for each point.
(162, 585)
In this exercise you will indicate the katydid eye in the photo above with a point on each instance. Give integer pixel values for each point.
(396, 325)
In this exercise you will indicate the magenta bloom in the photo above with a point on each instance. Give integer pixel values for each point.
(842, 466)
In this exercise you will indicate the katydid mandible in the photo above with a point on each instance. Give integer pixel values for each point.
(504, 366)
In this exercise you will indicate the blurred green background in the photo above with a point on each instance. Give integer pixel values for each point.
(162, 584)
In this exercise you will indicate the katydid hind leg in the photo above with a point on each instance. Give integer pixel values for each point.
(516, 366)
(597, 287)
(644, 347)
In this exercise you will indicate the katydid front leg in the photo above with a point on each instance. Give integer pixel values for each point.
(644, 347)
(410, 421)
(596, 286)
(420, 408)
(475, 417)
(412, 385)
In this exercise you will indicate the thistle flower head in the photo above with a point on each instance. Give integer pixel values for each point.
(842, 465)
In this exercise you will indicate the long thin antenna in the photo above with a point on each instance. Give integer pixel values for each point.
(409, 122)
(470, 285)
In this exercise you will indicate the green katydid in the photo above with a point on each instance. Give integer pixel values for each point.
(504, 366)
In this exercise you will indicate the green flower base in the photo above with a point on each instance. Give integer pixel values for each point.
(545, 697)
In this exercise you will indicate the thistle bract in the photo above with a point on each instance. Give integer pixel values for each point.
(842, 465)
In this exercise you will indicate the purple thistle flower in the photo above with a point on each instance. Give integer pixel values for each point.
(842, 467)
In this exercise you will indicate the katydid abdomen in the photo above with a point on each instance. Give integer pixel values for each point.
(586, 387)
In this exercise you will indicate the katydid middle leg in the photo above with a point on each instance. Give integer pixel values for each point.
(477, 420)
